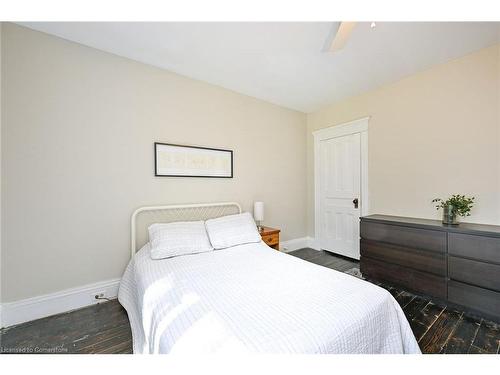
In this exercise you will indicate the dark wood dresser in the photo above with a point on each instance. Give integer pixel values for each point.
(457, 264)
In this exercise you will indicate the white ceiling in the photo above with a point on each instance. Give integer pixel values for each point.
(283, 63)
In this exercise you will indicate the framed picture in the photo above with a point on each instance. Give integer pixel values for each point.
(173, 160)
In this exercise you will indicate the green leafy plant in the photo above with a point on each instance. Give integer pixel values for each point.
(461, 205)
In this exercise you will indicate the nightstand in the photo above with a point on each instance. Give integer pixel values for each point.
(271, 236)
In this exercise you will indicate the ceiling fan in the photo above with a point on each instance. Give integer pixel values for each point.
(338, 39)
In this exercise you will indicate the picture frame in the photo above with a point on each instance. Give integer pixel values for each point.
(175, 160)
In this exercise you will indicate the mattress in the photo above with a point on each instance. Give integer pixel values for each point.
(253, 299)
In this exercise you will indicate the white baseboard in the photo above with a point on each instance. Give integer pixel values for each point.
(313, 244)
(21, 311)
(297, 243)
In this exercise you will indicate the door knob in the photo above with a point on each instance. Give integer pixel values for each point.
(355, 202)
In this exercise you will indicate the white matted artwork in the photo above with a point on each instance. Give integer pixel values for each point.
(173, 160)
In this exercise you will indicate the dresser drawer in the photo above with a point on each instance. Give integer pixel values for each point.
(474, 297)
(417, 281)
(422, 239)
(482, 274)
(476, 247)
(416, 259)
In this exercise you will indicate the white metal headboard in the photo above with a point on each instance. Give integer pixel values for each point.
(143, 217)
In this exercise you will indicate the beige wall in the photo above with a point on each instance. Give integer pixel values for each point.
(77, 157)
(430, 135)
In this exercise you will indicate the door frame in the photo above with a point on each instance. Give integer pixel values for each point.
(352, 127)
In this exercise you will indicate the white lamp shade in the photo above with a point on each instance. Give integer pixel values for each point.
(258, 211)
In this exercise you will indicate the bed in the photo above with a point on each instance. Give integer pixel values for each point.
(251, 299)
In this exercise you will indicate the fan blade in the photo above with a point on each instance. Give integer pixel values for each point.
(343, 32)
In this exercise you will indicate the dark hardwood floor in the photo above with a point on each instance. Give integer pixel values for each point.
(104, 328)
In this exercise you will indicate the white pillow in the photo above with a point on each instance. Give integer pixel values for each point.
(180, 238)
(232, 230)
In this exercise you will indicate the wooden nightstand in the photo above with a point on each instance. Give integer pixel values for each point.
(271, 236)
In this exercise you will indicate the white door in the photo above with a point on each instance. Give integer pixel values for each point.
(339, 194)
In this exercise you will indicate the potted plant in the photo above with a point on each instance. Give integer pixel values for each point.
(456, 205)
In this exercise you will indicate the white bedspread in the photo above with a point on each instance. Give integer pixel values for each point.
(250, 298)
